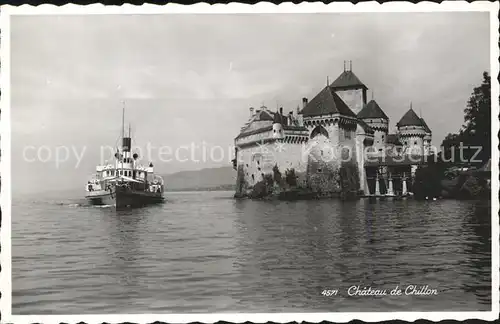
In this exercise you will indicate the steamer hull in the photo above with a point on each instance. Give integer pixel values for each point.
(125, 198)
(100, 198)
(122, 196)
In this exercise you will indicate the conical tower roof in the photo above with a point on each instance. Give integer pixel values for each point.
(348, 80)
(327, 102)
(372, 110)
(410, 119)
(279, 118)
(427, 129)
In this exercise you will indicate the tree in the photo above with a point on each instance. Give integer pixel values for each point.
(476, 131)
(290, 177)
(277, 174)
(477, 128)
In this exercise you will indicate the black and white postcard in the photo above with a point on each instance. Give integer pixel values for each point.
(241, 162)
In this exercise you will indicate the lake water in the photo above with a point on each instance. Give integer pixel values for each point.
(206, 252)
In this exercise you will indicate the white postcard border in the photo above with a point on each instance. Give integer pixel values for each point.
(261, 7)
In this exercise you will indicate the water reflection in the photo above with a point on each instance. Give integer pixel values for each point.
(201, 252)
(478, 248)
(123, 229)
(321, 244)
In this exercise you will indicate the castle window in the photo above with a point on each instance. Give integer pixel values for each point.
(415, 143)
(320, 170)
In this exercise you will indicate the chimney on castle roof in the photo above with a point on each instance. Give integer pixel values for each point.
(251, 111)
(290, 118)
(304, 102)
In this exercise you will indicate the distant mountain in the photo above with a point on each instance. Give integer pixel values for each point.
(223, 178)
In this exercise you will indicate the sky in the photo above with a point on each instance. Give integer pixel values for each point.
(190, 79)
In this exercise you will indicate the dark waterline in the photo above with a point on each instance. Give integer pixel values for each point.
(205, 252)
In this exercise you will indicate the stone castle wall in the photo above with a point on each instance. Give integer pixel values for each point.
(317, 164)
(412, 139)
(255, 162)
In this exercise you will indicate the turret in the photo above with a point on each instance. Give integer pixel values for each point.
(350, 89)
(412, 132)
(375, 117)
(427, 138)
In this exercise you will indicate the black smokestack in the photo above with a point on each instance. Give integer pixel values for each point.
(126, 143)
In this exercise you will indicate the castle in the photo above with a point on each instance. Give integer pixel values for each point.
(336, 143)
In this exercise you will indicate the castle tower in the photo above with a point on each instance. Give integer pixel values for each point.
(412, 132)
(350, 89)
(427, 138)
(329, 115)
(375, 117)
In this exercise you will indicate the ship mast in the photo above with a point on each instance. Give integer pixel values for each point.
(123, 135)
(123, 120)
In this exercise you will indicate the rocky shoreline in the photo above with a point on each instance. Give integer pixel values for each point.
(467, 185)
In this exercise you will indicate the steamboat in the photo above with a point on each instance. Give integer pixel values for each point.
(125, 183)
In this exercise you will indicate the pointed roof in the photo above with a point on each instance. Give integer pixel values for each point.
(280, 119)
(326, 102)
(372, 110)
(410, 119)
(263, 114)
(427, 129)
(348, 80)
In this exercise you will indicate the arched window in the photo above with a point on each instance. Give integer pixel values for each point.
(319, 130)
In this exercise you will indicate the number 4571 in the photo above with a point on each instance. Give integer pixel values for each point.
(331, 292)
